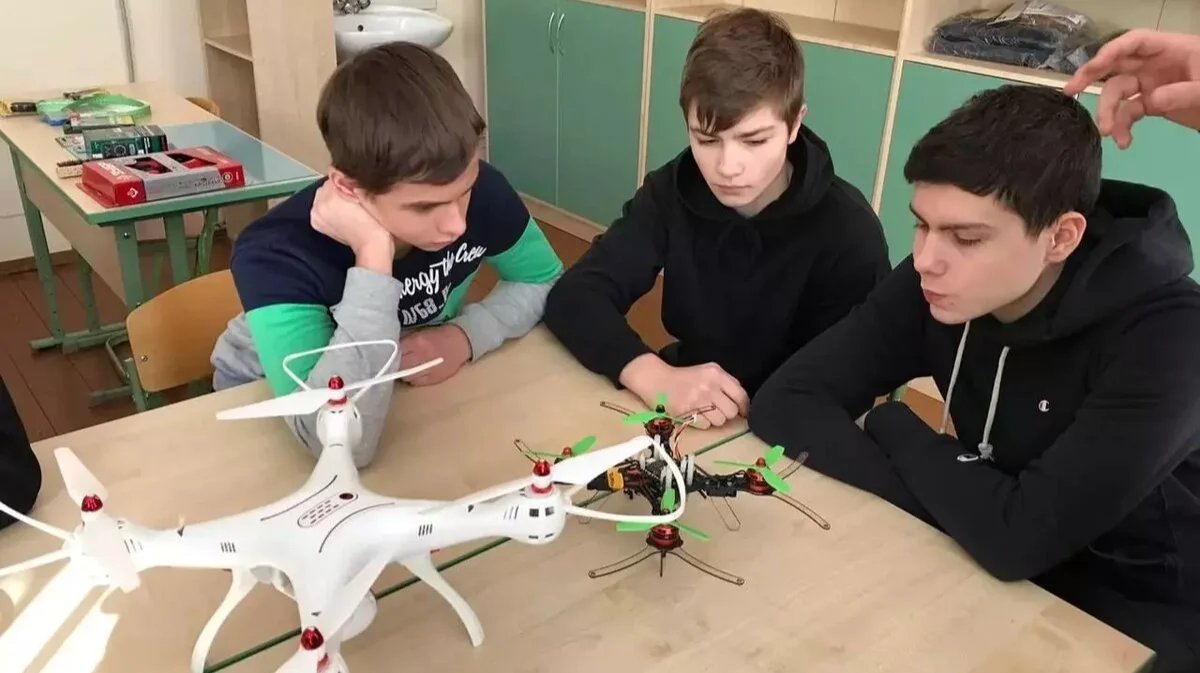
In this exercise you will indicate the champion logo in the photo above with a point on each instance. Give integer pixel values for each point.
(1044, 406)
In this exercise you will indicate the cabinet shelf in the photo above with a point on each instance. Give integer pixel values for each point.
(809, 29)
(234, 45)
(1002, 70)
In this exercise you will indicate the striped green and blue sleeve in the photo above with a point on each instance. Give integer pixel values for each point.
(527, 267)
(286, 313)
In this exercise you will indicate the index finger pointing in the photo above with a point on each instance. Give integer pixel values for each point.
(1113, 57)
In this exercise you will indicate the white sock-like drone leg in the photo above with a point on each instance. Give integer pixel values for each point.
(422, 567)
(243, 581)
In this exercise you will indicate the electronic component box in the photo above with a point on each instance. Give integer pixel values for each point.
(126, 181)
(123, 141)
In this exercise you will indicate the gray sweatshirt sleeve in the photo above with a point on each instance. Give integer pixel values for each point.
(509, 311)
(367, 312)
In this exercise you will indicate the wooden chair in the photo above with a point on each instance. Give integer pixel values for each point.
(171, 336)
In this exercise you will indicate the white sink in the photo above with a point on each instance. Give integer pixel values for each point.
(381, 24)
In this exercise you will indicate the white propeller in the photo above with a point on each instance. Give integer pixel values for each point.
(312, 655)
(304, 402)
(100, 538)
(578, 471)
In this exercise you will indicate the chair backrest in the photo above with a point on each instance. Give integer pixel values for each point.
(172, 335)
(207, 104)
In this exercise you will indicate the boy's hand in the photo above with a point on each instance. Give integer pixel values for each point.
(341, 217)
(687, 388)
(1152, 74)
(448, 342)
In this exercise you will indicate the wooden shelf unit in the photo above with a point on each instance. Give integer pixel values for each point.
(234, 45)
(266, 61)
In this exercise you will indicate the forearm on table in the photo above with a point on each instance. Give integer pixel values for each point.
(367, 313)
(509, 311)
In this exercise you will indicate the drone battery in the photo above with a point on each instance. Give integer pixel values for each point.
(162, 175)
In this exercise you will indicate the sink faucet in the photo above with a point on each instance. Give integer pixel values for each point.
(350, 6)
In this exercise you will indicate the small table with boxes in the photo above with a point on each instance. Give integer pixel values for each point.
(101, 222)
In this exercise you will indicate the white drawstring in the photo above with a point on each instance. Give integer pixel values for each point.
(962, 343)
(985, 447)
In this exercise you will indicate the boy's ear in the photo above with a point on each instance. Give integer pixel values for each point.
(797, 122)
(344, 184)
(1065, 236)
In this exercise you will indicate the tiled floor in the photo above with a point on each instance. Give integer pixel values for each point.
(51, 389)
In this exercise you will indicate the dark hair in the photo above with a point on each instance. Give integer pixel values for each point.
(739, 60)
(1034, 148)
(398, 113)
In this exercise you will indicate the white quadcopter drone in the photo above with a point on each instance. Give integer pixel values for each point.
(325, 544)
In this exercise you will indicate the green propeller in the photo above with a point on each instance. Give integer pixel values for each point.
(667, 505)
(643, 417)
(771, 457)
(577, 449)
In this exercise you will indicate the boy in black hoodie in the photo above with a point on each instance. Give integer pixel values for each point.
(20, 472)
(1055, 312)
(761, 245)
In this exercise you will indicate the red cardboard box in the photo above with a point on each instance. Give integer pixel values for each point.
(126, 181)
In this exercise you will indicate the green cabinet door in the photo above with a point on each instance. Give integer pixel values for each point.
(522, 74)
(600, 106)
(1163, 155)
(927, 95)
(849, 119)
(667, 132)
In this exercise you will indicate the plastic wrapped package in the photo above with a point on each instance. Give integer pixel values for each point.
(1031, 33)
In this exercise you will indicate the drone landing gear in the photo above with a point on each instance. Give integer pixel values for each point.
(759, 486)
(665, 540)
(242, 583)
(421, 566)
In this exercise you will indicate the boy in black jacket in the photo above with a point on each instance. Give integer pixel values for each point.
(20, 472)
(1055, 312)
(761, 245)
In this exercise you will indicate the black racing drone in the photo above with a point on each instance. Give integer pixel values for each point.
(637, 476)
(664, 540)
(649, 478)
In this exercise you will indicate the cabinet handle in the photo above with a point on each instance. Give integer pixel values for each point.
(558, 31)
(549, 35)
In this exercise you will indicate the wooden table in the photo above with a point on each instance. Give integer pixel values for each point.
(879, 591)
(107, 239)
(440, 442)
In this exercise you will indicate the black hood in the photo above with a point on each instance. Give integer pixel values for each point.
(811, 178)
(1134, 244)
(739, 239)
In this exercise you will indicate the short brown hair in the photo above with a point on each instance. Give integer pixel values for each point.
(739, 60)
(398, 113)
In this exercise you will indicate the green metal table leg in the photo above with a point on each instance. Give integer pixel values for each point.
(177, 248)
(141, 401)
(95, 334)
(89, 293)
(135, 296)
(41, 256)
(204, 245)
(131, 268)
